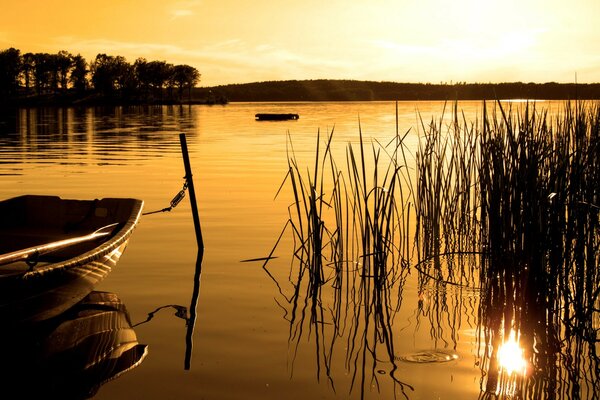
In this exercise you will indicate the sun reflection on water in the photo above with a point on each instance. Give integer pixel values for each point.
(510, 356)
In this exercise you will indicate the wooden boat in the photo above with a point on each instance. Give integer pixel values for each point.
(54, 251)
(275, 117)
(73, 354)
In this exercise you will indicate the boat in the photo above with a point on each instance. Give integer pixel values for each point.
(54, 251)
(275, 116)
(73, 354)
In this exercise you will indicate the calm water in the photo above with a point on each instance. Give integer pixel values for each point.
(244, 345)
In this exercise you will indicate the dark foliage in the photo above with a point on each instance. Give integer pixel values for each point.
(349, 90)
(63, 78)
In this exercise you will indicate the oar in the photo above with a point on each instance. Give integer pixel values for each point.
(36, 251)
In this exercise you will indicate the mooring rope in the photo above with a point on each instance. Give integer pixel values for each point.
(174, 202)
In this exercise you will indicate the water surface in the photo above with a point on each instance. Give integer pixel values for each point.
(244, 344)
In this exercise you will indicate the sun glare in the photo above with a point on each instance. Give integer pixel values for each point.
(510, 356)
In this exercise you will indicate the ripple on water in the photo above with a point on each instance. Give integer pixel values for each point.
(428, 356)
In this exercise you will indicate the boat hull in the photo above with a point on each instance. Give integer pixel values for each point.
(40, 297)
(46, 289)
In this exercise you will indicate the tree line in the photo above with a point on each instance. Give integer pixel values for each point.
(106, 77)
(352, 90)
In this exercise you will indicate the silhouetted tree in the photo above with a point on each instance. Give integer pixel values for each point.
(111, 74)
(27, 66)
(127, 82)
(144, 76)
(10, 69)
(185, 76)
(159, 74)
(63, 63)
(42, 72)
(52, 67)
(79, 72)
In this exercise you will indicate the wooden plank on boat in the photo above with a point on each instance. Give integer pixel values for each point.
(36, 251)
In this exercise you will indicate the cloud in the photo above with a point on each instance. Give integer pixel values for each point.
(230, 61)
(181, 13)
(516, 55)
(183, 9)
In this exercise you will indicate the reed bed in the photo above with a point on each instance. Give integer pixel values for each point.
(540, 191)
(522, 191)
(517, 190)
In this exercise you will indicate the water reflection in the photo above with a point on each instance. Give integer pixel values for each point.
(71, 356)
(522, 192)
(348, 313)
(448, 287)
(530, 346)
(507, 228)
(82, 136)
(182, 311)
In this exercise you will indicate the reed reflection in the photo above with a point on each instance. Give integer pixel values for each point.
(72, 355)
(350, 263)
(448, 287)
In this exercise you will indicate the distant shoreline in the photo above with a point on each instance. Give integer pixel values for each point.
(349, 90)
(327, 90)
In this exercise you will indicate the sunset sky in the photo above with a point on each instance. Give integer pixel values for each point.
(235, 41)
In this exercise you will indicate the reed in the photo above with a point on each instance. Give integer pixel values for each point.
(447, 162)
(350, 253)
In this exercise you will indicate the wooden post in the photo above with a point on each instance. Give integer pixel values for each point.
(190, 182)
(192, 319)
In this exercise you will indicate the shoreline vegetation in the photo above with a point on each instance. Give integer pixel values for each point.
(352, 90)
(319, 90)
(64, 79)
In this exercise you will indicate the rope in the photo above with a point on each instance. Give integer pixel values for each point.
(174, 202)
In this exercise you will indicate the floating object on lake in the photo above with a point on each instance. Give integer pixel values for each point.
(428, 356)
(54, 251)
(275, 117)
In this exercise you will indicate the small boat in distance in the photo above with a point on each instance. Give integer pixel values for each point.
(275, 117)
(54, 251)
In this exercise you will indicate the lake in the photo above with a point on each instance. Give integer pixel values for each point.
(248, 341)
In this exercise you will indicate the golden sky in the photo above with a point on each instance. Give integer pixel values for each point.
(237, 41)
